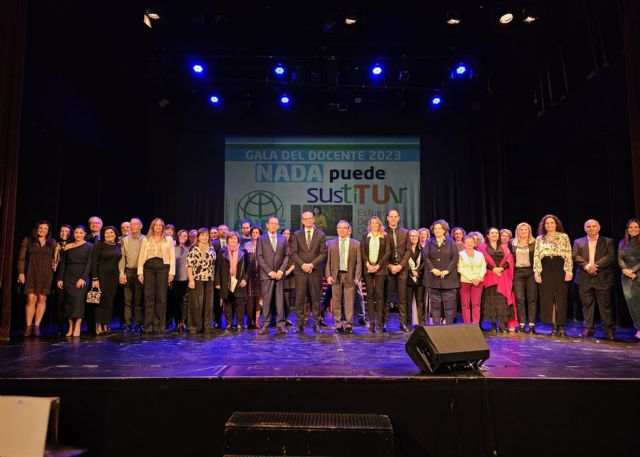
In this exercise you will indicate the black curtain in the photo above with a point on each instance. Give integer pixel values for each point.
(13, 15)
(629, 19)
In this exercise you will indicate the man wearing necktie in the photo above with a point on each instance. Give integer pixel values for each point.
(397, 278)
(308, 252)
(343, 271)
(273, 258)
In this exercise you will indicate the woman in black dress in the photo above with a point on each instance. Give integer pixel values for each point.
(254, 300)
(414, 263)
(35, 271)
(64, 237)
(73, 273)
(105, 274)
(232, 276)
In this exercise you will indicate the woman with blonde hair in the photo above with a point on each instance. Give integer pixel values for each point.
(524, 285)
(376, 251)
(156, 270)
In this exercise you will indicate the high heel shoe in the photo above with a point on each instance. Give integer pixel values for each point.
(532, 329)
(36, 330)
(98, 329)
(521, 328)
(554, 330)
(562, 331)
(28, 330)
(76, 330)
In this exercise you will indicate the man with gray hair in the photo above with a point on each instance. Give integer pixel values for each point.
(593, 256)
(128, 266)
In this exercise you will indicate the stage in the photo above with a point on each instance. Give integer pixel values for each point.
(171, 395)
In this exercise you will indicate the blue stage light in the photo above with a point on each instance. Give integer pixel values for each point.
(461, 71)
(279, 70)
(436, 101)
(376, 70)
(215, 100)
(285, 100)
(197, 68)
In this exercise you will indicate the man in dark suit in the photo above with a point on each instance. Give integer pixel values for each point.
(343, 271)
(593, 256)
(95, 229)
(273, 258)
(308, 252)
(397, 278)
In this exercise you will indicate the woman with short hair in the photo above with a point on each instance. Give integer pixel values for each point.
(201, 263)
(441, 273)
(472, 267)
(232, 276)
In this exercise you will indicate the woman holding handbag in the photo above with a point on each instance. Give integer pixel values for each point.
(105, 274)
(73, 273)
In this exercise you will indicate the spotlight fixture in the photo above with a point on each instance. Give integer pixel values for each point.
(279, 70)
(529, 16)
(285, 100)
(150, 16)
(197, 68)
(350, 20)
(436, 101)
(376, 70)
(215, 100)
(453, 18)
(506, 17)
(461, 71)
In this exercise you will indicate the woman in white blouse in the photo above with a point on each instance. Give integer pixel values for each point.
(156, 269)
(472, 268)
(553, 269)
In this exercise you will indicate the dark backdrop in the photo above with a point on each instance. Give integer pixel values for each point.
(95, 141)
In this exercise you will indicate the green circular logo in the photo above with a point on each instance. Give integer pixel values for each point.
(260, 204)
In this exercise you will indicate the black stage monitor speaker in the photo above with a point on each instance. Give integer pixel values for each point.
(447, 347)
(308, 434)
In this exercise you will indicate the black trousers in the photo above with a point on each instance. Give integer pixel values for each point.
(416, 291)
(200, 307)
(375, 297)
(526, 292)
(176, 309)
(217, 308)
(589, 295)
(398, 282)
(234, 305)
(132, 297)
(156, 283)
(310, 286)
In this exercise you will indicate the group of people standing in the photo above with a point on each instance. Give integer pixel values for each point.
(194, 278)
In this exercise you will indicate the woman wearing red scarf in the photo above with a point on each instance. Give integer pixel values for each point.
(232, 276)
(497, 297)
